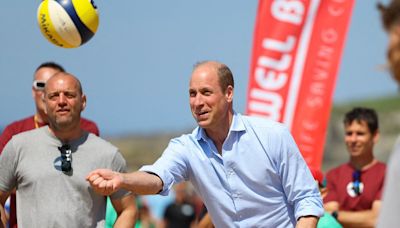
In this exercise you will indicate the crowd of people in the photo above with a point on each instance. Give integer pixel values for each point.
(232, 170)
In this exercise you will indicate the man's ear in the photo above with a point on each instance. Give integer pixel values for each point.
(83, 106)
(376, 137)
(229, 93)
(45, 104)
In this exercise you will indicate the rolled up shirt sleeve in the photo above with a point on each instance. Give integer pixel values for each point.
(171, 167)
(299, 185)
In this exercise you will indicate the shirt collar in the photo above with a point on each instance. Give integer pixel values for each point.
(237, 125)
(73, 143)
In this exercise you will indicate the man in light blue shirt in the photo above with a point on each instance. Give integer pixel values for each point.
(248, 171)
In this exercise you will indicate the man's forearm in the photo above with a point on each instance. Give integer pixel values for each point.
(307, 222)
(126, 210)
(127, 218)
(350, 219)
(142, 183)
(3, 218)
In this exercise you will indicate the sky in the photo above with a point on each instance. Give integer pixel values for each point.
(135, 70)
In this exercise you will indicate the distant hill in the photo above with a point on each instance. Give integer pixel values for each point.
(139, 150)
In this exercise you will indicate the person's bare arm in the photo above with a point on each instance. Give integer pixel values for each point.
(307, 222)
(206, 222)
(3, 218)
(365, 218)
(106, 182)
(126, 211)
(331, 206)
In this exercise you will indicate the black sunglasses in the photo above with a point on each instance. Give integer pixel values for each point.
(357, 182)
(66, 158)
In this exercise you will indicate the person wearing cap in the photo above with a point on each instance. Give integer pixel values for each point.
(47, 166)
(42, 73)
(389, 215)
(355, 187)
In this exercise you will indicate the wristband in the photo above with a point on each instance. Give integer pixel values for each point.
(335, 214)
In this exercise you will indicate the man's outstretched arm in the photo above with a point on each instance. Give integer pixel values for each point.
(106, 182)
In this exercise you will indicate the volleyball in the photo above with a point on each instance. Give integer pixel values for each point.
(68, 23)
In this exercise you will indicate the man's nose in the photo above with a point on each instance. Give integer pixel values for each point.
(62, 99)
(198, 100)
(353, 137)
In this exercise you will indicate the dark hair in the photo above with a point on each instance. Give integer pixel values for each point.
(225, 76)
(52, 65)
(363, 114)
(390, 13)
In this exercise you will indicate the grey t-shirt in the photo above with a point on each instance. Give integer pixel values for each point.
(48, 197)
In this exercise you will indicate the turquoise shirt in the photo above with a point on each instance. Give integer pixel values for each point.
(111, 214)
(328, 221)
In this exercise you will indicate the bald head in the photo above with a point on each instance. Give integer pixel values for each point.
(66, 78)
(64, 102)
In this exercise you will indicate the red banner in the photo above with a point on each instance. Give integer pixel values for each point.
(296, 53)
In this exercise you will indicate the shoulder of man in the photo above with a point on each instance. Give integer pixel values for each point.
(90, 126)
(15, 128)
(378, 167)
(20, 125)
(24, 139)
(264, 124)
(100, 142)
(338, 169)
(261, 120)
(381, 164)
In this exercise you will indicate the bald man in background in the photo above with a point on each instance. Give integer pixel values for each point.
(42, 73)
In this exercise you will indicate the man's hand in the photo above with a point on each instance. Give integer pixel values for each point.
(105, 181)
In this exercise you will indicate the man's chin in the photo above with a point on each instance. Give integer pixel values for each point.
(355, 154)
(202, 123)
(63, 122)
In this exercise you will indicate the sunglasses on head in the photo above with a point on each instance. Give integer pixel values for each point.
(39, 85)
(66, 158)
(357, 182)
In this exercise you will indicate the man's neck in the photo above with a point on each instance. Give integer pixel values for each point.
(67, 135)
(363, 163)
(40, 118)
(219, 133)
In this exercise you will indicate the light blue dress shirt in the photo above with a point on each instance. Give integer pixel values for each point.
(260, 180)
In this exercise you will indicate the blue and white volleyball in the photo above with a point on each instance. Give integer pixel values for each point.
(68, 23)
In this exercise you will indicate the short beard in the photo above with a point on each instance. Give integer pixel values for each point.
(61, 126)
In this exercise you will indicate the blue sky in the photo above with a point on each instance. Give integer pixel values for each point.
(135, 70)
